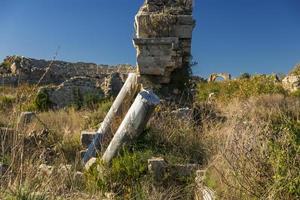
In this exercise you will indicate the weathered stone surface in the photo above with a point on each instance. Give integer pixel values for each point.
(157, 167)
(163, 40)
(291, 83)
(18, 69)
(112, 85)
(73, 91)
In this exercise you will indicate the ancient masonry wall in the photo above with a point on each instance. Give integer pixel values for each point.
(19, 69)
(163, 39)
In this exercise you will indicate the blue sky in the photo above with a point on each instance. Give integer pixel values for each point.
(236, 36)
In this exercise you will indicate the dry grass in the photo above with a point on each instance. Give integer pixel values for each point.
(256, 151)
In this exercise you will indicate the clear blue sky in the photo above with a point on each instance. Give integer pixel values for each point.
(256, 36)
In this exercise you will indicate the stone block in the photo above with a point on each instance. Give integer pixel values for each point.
(158, 168)
(86, 138)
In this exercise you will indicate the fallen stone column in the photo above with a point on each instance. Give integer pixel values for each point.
(119, 108)
(133, 123)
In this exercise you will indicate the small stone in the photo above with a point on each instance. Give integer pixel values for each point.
(157, 166)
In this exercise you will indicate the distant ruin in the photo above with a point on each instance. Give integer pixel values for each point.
(213, 77)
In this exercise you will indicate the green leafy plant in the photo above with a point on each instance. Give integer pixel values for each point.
(42, 101)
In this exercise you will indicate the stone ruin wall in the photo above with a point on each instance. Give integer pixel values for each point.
(16, 69)
(163, 40)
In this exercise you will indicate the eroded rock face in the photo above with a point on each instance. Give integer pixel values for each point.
(291, 83)
(163, 39)
(74, 91)
(18, 69)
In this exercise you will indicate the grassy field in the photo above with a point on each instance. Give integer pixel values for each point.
(246, 135)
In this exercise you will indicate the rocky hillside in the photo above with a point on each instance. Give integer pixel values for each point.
(18, 69)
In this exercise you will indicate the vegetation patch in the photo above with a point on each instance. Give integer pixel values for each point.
(241, 89)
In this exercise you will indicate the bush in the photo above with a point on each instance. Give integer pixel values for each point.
(241, 89)
(42, 101)
(245, 76)
(91, 100)
(123, 176)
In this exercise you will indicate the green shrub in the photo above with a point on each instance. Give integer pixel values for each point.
(285, 158)
(245, 76)
(241, 89)
(125, 173)
(42, 101)
(91, 100)
(24, 194)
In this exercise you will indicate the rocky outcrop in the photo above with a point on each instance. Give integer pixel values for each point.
(18, 69)
(292, 81)
(163, 40)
